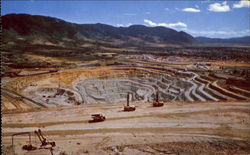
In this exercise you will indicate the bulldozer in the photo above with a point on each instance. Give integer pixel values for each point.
(97, 118)
(156, 103)
(128, 107)
(43, 140)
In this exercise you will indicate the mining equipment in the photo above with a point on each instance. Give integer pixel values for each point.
(43, 140)
(156, 103)
(97, 118)
(128, 107)
(28, 147)
(53, 70)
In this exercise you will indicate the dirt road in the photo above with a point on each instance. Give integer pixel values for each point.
(176, 128)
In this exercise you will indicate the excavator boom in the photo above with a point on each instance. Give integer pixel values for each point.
(43, 140)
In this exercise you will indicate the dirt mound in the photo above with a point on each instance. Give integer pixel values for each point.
(176, 148)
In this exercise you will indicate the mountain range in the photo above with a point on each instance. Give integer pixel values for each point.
(34, 29)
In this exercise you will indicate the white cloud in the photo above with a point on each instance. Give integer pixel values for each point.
(172, 25)
(123, 25)
(119, 25)
(217, 7)
(224, 3)
(150, 23)
(191, 10)
(241, 4)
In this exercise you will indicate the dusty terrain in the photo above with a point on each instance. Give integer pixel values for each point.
(175, 128)
(206, 111)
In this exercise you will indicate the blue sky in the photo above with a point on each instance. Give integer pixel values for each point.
(211, 18)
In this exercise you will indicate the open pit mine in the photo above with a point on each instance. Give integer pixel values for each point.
(205, 108)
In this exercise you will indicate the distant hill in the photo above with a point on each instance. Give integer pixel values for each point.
(239, 40)
(34, 29)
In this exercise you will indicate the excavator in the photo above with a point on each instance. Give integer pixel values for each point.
(43, 140)
(156, 103)
(128, 107)
(28, 147)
